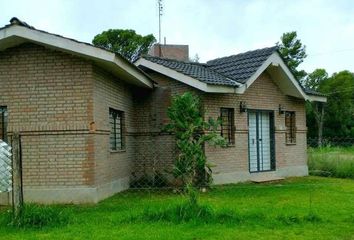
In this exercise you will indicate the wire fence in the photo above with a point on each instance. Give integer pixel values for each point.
(329, 157)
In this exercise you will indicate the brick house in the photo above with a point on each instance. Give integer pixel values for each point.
(91, 121)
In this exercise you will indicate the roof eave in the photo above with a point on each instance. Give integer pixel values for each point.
(114, 63)
(209, 88)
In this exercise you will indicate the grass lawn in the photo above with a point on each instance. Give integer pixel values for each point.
(298, 208)
(332, 161)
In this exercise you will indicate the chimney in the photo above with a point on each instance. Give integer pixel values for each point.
(171, 51)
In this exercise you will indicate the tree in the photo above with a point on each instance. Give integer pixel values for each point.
(293, 53)
(339, 119)
(315, 110)
(195, 59)
(125, 42)
(313, 80)
(191, 133)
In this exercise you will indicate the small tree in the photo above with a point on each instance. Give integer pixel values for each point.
(316, 109)
(192, 132)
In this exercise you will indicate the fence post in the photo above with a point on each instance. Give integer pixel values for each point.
(17, 193)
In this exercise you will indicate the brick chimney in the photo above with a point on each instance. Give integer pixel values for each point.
(171, 51)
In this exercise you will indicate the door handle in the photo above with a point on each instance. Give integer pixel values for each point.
(260, 139)
(253, 141)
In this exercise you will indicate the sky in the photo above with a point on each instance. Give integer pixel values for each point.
(211, 28)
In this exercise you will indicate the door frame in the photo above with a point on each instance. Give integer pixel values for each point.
(271, 136)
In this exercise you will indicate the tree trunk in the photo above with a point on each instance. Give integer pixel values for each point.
(319, 116)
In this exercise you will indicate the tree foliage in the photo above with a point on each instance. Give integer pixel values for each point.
(315, 110)
(293, 53)
(125, 42)
(339, 119)
(192, 132)
(315, 79)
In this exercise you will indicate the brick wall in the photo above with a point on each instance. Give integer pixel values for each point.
(178, 52)
(49, 99)
(262, 94)
(110, 92)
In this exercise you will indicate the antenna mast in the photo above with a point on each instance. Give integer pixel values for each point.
(160, 15)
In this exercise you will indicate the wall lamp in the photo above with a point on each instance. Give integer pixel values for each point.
(243, 107)
(281, 109)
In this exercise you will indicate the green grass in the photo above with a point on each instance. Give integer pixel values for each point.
(298, 208)
(332, 161)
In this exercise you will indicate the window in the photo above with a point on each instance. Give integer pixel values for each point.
(290, 125)
(116, 122)
(3, 123)
(227, 124)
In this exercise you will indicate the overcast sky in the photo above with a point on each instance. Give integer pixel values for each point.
(212, 28)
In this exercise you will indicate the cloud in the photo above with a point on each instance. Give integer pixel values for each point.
(212, 28)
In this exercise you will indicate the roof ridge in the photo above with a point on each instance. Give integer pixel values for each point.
(174, 60)
(240, 54)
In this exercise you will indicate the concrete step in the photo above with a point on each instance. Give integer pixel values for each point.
(263, 179)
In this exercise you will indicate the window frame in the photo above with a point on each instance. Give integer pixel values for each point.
(116, 133)
(230, 128)
(290, 127)
(4, 122)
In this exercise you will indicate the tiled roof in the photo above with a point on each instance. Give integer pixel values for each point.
(228, 71)
(312, 92)
(242, 66)
(198, 71)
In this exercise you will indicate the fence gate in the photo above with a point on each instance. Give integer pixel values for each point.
(5, 167)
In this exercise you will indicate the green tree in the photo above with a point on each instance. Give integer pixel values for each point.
(339, 119)
(313, 80)
(293, 53)
(192, 132)
(125, 42)
(315, 110)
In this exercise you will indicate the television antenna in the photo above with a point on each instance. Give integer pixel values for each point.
(160, 15)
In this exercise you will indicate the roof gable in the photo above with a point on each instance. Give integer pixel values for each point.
(18, 32)
(242, 66)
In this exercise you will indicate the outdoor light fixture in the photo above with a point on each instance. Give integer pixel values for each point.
(281, 109)
(243, 107)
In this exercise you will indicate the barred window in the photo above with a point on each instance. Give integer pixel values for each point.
(290, 125)
(116, 122)
(3, 123)
(227, 124)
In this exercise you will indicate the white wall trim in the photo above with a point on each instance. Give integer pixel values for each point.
(184, 78)
(276, 61)
(136, 76)
(314, 98)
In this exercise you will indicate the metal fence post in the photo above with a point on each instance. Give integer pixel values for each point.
(17, 192)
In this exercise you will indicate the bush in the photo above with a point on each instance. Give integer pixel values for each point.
(39, 216)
